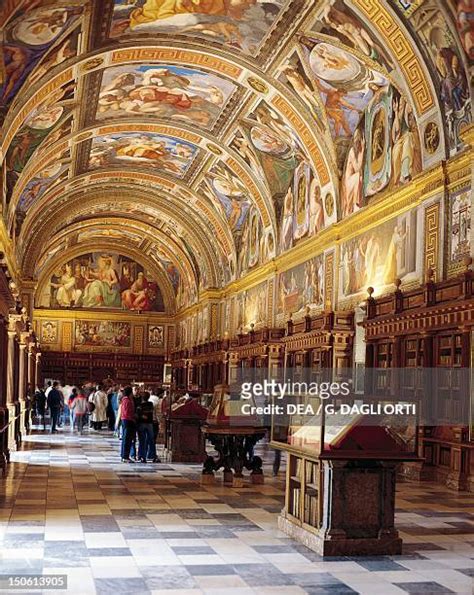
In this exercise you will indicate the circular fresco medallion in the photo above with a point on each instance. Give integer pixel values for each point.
(431, 137)
(267, 142)
(329, 204)
(333, 64)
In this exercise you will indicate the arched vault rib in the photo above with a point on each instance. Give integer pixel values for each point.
(55, 222)
(241, 71)
(256, 188)
(147, 233)
(63, 205)
(161, 277)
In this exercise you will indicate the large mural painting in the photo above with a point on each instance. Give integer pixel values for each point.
(104, 281)
(460, 224)
(241, 24)
(384, 153)
(231, 199)
(44, 125)
(164, 91)
(103, 334)
(268, 144)
(27, 39)
(438, 38)
(142, 149)
(251, 307)
(301, 287)
(379, 256)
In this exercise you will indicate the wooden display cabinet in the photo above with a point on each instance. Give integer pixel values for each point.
(340, 484)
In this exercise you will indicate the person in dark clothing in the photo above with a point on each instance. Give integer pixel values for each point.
(55, 401)
(146, 438)
(40, 405)
(128, 423)
(110, 408)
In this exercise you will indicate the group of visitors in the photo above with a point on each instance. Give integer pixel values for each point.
(131, 412)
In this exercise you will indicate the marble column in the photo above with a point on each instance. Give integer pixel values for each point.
(12, 403)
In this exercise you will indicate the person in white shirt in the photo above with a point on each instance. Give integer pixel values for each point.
(99, 415)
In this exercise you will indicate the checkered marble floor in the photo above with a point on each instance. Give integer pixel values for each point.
(69, 506)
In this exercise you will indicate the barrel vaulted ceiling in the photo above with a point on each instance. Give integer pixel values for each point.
(210, 136)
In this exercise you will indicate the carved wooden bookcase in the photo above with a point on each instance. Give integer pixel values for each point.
(426, 334)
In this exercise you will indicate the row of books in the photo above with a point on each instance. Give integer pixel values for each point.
(295, 503)
(311, 510)
(311, 472)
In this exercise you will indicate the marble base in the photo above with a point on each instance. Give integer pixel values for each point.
(385, 545)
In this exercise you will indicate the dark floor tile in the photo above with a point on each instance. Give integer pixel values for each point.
(211, 569)
(141, 532)
(262, 575)
(63, 562)
(430, 588)
(380, 565)
(179, 535)
(213, 532)
(330, 589)
(274, 549)
(193, 514)
(99, 524)
(109, 551)
(313, 579)
(193, 550)
(106, 586)
(21, 540)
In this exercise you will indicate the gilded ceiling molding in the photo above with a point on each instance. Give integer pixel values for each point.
(171, 248)
(161, 277)
(391, 204)
(75, 206)
(397, 40)
(218, 229)
(249, 75)
(34, 248)
(260, 198)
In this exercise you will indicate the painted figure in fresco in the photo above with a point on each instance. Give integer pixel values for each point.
(138, 297)
(300, 87)
(149, 150)
(403, 141)
(229, 186)
(102, 287)
(351, 189)
(268, 117)
(286, 237)
(465, 25)
(41, 27)
(316, 209)
(65, 51)
(334, 103)
(239, 24)
(350, 29)
(454, 91)
(67, 293)
(394, 259)
(161, 92)
(15, 60)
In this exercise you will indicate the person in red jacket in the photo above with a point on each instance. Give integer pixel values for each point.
(127, 415)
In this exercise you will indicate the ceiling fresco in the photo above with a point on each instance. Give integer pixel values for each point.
(213, 135)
